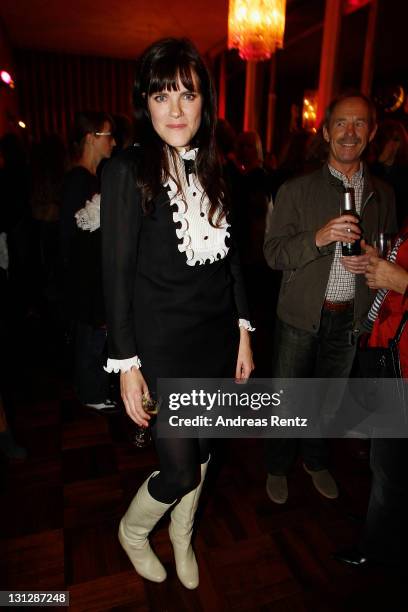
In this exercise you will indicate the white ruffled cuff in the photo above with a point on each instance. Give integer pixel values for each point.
(245, 324)
(122, 365)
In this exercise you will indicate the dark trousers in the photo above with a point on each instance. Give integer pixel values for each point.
(327, 353)
(385, 536)
(91, 382)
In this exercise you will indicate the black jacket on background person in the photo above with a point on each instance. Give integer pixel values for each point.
(81, 251)
(396, 176)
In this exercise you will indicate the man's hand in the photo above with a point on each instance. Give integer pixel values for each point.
(357, 264)
(382, 274)
(340, 229)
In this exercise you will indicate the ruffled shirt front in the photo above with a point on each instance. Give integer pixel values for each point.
(202, 243)
(88, 218)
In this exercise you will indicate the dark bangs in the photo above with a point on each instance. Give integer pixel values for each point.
(165, 76)
(159, 68)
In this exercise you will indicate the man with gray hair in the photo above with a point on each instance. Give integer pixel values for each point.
(323, 296)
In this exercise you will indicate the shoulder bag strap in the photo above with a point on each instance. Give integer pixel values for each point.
(394, 341)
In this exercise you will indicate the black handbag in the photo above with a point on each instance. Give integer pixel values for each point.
(382, 362)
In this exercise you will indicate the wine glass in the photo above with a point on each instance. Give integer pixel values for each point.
(142, 435)
(151, 403)
(383, 243)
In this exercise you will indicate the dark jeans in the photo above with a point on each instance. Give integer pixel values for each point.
(385, 536)
(301, 354)
(91, 382)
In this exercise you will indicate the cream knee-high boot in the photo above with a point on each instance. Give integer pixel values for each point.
(180, 531)
(141, 516)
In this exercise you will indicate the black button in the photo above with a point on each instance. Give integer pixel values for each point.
(202, 214)
(205, 237)
(194, 193)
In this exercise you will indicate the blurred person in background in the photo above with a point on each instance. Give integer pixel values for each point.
(124, 134)
(8, 446)
(256, 194)
(16, 221)
(48, 166)
(226, 139)
(92, 141)
(390, 150)
(292, 158)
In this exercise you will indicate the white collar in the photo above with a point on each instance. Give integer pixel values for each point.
(188, 153)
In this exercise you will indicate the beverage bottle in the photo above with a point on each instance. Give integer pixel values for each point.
(348, 208)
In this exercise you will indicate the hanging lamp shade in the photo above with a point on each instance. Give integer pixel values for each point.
(256, 27)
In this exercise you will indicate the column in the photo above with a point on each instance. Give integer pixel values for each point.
(250, 108)
(368, 63)
(222, 87)
(329, 55)
(270, 125)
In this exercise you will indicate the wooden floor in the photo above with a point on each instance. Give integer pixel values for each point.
(60, 512)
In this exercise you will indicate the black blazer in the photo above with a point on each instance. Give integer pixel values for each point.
(81, 251)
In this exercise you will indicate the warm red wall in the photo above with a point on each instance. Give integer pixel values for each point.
(53, 86)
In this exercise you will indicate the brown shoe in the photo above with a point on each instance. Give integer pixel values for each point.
(324, 482)
(277, 488)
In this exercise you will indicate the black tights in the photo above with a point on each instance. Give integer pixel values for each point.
(180, 460)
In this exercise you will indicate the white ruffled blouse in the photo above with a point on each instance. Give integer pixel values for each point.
(201, 242)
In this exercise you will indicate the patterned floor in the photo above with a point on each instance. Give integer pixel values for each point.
(60, 512)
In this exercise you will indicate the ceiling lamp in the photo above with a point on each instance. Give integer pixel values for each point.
(256, 27)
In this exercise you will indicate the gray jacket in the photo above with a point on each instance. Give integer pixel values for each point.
(304, 205)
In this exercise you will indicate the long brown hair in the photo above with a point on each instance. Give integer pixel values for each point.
(160, 68)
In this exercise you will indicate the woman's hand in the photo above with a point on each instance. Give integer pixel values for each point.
(357, 264)
(245, 362)
(132, 388)
(382, 274)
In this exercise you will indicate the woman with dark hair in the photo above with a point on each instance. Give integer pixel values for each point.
(176, 306)
(92, 141)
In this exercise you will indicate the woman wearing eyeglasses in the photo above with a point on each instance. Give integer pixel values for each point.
(176, 307)
(91, 142)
